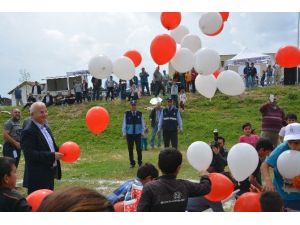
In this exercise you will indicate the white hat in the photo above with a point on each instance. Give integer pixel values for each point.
(292, 132)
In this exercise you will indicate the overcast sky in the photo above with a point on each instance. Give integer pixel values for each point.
(50, 44)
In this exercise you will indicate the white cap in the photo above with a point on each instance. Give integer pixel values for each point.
(292, 132)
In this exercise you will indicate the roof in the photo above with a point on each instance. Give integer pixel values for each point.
(30, 83)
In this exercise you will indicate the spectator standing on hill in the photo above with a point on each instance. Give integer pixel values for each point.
(97, 83)
(36, 91)
(109, 85)
(253, 74)
(188, 80)
(262, 79)
(144, 81)
(269, 73)
(248, 76)
(133, 81)
(85, 89)
(134, 93)
(123, 86)
(78, 91)
(166, 80)
(182, 99)
(174, 92)
(18, 96)
(154, 118)
(194, 75)
(158, 78)
(277, 74)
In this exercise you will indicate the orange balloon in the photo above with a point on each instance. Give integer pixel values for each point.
(248, 202)
(296, 182)
(97, 119)
(70, 150)
(36, 198)
(119, 207)
(162, 49)
(170, 20)
(216, 73)
(288, 56)
(224, 15)
(221, 187)
(216, 33)
(135, 57)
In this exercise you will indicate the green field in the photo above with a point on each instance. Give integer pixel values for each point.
(104, 158)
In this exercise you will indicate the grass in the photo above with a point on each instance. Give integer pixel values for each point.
(105, 157)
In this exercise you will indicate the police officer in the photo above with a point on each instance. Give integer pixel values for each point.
(169, 121)
(12, 136)
(133, 128)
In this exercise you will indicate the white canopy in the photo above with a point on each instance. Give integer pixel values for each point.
(248, 56)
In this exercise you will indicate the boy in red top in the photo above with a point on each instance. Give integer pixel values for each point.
(248, 137)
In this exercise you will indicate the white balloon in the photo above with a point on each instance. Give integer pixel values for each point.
(100, 66)
(242, 161)
(230, 83)
(179, 32)
(207, 61)
(288, 164)
(210, 22)
(183, 60)
(124, 68)
(192, 42)
(199, 155)
(206, 85)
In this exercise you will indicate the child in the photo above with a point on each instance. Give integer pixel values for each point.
(144, 141)
(262, 79)
(248, 137)
(10, 199)
(271, 201)
(290, 118)
(182, 99)
(174, 92)
(168, 194)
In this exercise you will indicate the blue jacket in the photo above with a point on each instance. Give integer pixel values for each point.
(131, 123)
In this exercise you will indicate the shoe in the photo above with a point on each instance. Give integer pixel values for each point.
(132, 166)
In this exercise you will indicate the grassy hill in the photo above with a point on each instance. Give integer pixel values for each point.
(104, 157)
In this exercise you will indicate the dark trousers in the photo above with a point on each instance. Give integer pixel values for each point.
(170, 135)
(78, 96)
(193, 86)
(158, 87)
(110, 91)
(131, 139)
(95, 94)
(144, 144)
(147, 88)
(8, 151)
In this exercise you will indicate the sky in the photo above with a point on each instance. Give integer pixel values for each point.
(51, 44)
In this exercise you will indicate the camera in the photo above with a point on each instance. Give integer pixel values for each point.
(216, 135)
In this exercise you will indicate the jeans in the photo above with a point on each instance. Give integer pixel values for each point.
(144, 144)
(249, 82)
(154, 132)
(95, 94)
(147, 88)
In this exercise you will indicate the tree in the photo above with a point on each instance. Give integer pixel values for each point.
(25, 76)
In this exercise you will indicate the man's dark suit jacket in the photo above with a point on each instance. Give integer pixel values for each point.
(39, 171)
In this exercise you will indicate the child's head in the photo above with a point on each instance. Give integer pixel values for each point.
(147, 172)
(169, 161)
(291, 118)
(271, 202)
(182, 91)
(8, 172)
(292, 135)
(247, 128)
(264, 147)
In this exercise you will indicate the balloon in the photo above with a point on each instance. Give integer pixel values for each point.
(224, 15)
(97, 119)
(100, 66)
(162, 49)
(218, 32)
(179, 33)
(124, 68)
(210, 22)
(242, 161)
(288, 56)
(35, 198)
(199, 155)
(206, 85)
(119, 207)
(170, 20)
(192, 42)
(221, 187)
(230, 83)
(248, 202)
(135, 57)
(183, 60)
(288, 164)
(207, 61)
(217, 73)
(70, 150)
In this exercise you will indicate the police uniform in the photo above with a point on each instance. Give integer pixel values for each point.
(133, 127)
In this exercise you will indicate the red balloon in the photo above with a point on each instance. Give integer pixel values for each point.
(36, 198)
(288, 56)
(248, 202)
(97, 119)
(170, 20)
(135, 57)
(162, 49)
(221, 187)
(224, 15)
(119, 207)
(217, 73)
(70, 150)
(216, 33)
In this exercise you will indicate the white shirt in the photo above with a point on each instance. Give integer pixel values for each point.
(35, 90)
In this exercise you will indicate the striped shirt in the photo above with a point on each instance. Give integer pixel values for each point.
(272, 118)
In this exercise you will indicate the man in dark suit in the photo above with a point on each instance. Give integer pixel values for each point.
(41, 153)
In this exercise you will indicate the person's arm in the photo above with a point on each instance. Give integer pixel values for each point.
(179, 120)
(143, 125)
(124, 125)
(145, 200)
(254, 182)
(265, 172)
(9, 139)
(198, 189)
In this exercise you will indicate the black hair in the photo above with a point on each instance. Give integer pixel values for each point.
(271, 201)
(264, 143)
(292, 116)
(221, 138)
(146, 170)
(6, 165)
(169, 159)
(246, 125)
